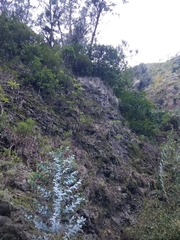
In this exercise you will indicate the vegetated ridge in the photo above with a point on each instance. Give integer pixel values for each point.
(161, 80)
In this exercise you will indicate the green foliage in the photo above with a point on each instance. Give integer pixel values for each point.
(41, 176)
(5, 195)
(82, 65)
(12, 158)
(169, 169)
(68, 55)
(25, 128)
(3, 97)
(14, 35)
(107, 63)
(156, 222)
(166, 153)
(76, 59)
(49, 57)
(45, 66)
(13, 84)
(166, 121)
(42, 65)
(138, 111)
(47, 70)
(106, 54)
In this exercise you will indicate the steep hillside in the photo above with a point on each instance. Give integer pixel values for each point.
(82, 154)
(163, 88)
(115, 167)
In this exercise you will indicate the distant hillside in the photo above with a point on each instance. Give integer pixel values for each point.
(161, 81)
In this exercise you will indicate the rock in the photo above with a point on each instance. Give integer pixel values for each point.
(5, 209)
(3, 220)
(142, 77)
(10, 231)
(23, 186)
(105, 94)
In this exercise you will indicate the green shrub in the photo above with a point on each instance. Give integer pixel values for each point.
(25, 128)
(45, 65)
(68, 55)
(76, 59)
(20, 45)
(138, 111)
(13, 84)
(169, 169)
(14, 35)
(82, 65)
(3, 97)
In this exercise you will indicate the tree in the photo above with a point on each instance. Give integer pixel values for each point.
(4, 5)
(19, 8)
(72, 21)
(65, 22)
(108, 63)
(97, 9)
(14, 36)
(81, 29)
(57, 20)
(47, 20)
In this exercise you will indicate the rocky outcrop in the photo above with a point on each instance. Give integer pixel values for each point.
(142, 77)
(102, 94)
(118, 186)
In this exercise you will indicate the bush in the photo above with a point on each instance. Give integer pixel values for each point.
(106, 63)
(138, 111)
(14, 35)
(76, 59)
(20, 45)
(44, 67)
(68, 55)
(25, 128)
(57, 185)
(82, 65)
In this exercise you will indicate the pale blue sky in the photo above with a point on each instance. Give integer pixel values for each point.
(151, 26)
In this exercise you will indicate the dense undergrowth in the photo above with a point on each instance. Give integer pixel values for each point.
(29, 62)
